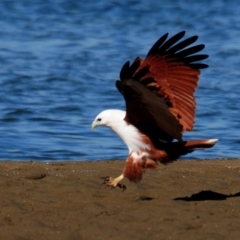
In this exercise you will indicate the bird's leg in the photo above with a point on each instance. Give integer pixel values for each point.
(114, 182)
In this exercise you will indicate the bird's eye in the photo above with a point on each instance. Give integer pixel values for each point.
(99, 119)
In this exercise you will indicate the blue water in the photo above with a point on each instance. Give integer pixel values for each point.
(60, 59)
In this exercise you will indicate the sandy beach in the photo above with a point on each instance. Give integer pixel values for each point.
(197, 199)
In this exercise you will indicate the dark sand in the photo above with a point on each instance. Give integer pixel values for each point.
(65, 200)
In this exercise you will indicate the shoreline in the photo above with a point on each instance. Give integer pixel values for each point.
(186, 199)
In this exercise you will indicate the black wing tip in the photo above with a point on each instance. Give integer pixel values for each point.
(118, 85)
(171, 48)
(157, 44)
(181, 50)
(124, 70)
(198, 65)
(128, 70)
(162, 41)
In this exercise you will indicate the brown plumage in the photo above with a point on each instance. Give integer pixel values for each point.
(169, 70)
(160, 105)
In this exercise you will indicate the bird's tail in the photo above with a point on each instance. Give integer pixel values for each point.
(174, 150)
(200, 144)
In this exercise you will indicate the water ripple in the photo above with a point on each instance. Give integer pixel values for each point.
(60, 60)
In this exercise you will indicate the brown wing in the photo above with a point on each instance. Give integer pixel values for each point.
(171, 70)
(147, 112)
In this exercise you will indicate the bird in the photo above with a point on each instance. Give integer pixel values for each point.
(160, 106)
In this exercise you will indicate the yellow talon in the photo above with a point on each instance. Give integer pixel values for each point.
(114, 182)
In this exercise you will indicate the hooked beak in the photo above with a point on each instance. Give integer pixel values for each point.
(93, 124)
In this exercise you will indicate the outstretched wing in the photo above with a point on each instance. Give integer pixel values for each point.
(147, 112)
(171, 71)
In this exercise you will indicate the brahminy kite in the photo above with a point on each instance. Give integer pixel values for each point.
(160, 106)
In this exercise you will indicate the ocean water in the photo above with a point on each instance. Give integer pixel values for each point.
(60, 60)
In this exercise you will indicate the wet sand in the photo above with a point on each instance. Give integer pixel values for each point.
(197, 199)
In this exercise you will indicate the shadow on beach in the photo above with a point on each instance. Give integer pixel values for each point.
(207, 195)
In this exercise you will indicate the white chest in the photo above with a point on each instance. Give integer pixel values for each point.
(130, 136)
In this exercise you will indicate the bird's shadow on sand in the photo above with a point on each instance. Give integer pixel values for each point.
(207, 195)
